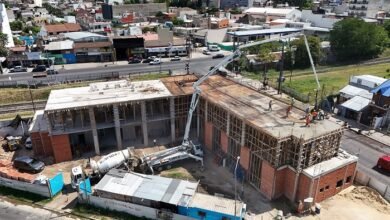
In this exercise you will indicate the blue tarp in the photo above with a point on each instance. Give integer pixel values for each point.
(85, 187)
(56, 184)
(383, 89)
(28, 39)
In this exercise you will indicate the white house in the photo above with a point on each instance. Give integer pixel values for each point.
(270, 14)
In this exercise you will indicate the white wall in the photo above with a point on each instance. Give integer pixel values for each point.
(132, 209)
(42, 190)
(318, 20)
(5, 28)
(365, 180)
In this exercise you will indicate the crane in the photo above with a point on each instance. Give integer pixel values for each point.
(197, 91)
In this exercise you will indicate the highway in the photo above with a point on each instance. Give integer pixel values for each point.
(368, 151)
(200, 65)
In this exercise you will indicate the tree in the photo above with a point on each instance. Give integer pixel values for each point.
(54, 11)
(301, 57)
(3, 43)
(16, 25)
(177, 21)
(386, 25)
(146, 29)
(18, 42)
(354, 39)
(300, 3)
(159, 14)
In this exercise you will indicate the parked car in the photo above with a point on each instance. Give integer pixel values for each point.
(39, 68)
(155, 62)
(149, 59)
(206, 52)
(51, 72)
(213, 48)
(134, 60)
(18, 69)
(176, 58)
(384, 163)
(29, 164)
(28, 143)
(218, 55)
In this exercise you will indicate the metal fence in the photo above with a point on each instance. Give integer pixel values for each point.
(56, 79)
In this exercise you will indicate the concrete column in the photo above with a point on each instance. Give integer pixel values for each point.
(205, 110)
(94, 130)
(228, 124)
(243, 133)
(277, 154)
(117, 127)
(144, 123)
(197, 123)
(49, 125)
(172, 115)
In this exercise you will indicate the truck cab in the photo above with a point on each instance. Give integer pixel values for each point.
(197, 149)
(384, 163)
(76, 176)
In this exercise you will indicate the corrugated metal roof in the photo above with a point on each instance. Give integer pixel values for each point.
(357, 103)
(154, 188)
(352, 91)
(217, 204)
(265, 32)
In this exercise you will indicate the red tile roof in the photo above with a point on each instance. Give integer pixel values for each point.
(67, 27)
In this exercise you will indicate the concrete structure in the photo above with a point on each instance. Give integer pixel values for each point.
(4, 25)
(140, 10)
(278, 152)
(266, 15)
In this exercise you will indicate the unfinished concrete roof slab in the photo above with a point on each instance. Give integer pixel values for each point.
(105, 93)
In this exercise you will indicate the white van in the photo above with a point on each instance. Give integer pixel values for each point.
(213, 48)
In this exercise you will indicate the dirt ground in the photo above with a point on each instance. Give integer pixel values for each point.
(356, 202)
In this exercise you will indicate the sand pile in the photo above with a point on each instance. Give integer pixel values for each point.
(370, 197)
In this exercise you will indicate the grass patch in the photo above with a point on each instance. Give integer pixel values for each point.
(99, 213)
(334, 80)
(10, 116)
(23, 196)
(176, 173)
(14, 95)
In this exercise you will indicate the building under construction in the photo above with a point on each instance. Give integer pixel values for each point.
(279, 155)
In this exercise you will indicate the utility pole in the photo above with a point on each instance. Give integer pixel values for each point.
(280, 80)
(32, 98)
(235, 187)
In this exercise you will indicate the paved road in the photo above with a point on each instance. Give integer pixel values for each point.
(368, 151)
(10, 211)
(200, 65)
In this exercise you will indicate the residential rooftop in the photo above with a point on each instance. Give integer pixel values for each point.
(265, 32)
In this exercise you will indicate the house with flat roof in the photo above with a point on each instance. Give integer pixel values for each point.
(231, 120)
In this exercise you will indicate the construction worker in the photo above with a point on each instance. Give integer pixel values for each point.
(270, 106)
(288, 110)
(307, 120)
(292, 101)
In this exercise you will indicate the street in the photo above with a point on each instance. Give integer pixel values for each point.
(200, 65)
(368, 151)
(9, 211)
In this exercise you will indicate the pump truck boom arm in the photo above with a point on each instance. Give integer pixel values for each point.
(228, 59)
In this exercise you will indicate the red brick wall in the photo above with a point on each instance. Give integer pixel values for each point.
(267, 179)
(41, 144)
(331, 180)
(280, 176)
(61, 148)
(208, 135)
(244, 157)
(303, 187)
(289, 181)
(224, 142)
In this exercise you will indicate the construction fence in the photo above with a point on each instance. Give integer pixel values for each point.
(51, 188)
(364, 179)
